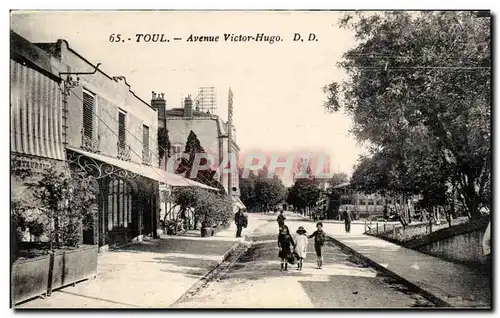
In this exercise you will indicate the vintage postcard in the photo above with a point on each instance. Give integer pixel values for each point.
(250, 159)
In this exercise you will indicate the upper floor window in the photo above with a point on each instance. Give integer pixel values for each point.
(121, 128)
(146, 154)
(145, 139)
(88, 114)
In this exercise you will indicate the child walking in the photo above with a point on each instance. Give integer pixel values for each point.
(319, 241)
(301, 246)
(285, 245)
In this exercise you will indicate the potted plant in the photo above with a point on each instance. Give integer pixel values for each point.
(59, 207)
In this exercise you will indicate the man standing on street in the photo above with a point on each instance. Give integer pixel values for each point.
(347, 219)
(281, 219)
(239, 219)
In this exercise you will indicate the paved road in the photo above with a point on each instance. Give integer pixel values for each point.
(255, 280)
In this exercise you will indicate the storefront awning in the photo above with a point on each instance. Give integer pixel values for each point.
(237, 202)
(107, 166)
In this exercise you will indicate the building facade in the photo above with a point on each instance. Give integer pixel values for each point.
(211, 131)
(67, 112)
(370, 205)
(110, 130)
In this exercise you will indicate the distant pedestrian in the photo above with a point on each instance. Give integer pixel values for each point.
(281, 219)
(301, 246)
(347, 220)
(319, 241)
(239, 220)
(285, 245)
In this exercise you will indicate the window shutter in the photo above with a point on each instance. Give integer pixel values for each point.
(145, 139)
(88, 114)
(121, 129)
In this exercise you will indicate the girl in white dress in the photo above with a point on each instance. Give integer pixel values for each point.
(301, 246)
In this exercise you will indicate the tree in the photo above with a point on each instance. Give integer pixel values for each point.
(305, 191)
(205, 176)
(424, 75)
(338, 178)
(269, 192)
(164, 145)
(247, 190)
(208, 206)
(59, 204)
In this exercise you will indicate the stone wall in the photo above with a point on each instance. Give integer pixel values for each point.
(465, 248)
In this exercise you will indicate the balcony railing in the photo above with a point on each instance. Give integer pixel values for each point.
(123, 152)
(147, 157)
(90, 144)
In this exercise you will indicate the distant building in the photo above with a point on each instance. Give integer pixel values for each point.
(211, 130)
(364, 205)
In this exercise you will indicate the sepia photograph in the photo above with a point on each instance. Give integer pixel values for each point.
(249, 159)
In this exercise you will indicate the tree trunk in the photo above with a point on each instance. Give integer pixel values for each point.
(448, 217)
(195, 221)
(453, 196)
(469, 196)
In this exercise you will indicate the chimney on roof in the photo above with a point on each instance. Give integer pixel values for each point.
(188, 106)
(159, 103)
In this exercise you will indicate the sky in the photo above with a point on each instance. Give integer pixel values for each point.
(278, 97)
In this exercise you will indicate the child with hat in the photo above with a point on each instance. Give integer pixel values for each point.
(301, 246)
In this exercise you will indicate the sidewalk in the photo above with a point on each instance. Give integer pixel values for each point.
(151, 273)
(447, 283)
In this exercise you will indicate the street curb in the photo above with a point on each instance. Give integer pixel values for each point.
(427, 294)
(206, 277)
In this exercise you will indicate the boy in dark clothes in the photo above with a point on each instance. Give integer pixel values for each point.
(319, 241)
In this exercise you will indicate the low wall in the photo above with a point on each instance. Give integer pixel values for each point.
(461, 243)
(465, 248)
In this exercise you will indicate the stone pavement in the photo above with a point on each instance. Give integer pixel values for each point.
(151, 273)
(255, 280)
(452, 284)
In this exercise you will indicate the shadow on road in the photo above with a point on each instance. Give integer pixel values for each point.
(345, 280)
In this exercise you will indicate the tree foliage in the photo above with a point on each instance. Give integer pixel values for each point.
(247, 190)
(269, 191)
(418, 90)
(305, 191)
(338, 178)
(205, 176)
(258, 191)
(164, 145)
(214, 208)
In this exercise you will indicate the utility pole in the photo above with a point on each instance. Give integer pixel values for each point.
(230, 141)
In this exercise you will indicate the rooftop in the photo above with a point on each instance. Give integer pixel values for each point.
(179, 112)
